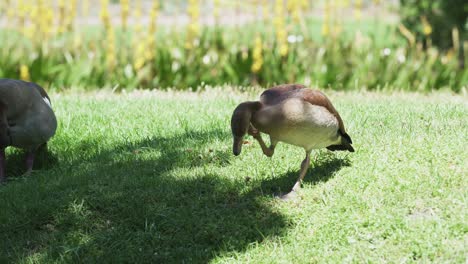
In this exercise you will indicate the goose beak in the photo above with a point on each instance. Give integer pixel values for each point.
(237, 146)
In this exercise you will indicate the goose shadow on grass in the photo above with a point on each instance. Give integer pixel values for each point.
(117, 207)
(320, 170)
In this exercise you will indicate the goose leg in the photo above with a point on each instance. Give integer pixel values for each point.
(2, 165)
(268, 151)
(304, 167)
(29, 161)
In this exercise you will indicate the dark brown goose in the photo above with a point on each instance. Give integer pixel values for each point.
(27, 120)
(293, 114)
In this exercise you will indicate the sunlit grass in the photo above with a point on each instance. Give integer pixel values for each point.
(149, 177)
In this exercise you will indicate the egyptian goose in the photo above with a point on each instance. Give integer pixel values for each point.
(27, 120)
(293, 114)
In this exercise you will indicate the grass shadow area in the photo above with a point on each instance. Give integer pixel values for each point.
(153, 201)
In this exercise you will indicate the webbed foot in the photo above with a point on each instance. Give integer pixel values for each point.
(290, 196)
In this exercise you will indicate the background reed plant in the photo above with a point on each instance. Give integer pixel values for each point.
(339, 44)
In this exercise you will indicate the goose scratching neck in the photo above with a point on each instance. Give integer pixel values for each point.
(240, 122)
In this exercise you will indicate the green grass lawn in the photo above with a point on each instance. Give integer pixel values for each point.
(150, 177)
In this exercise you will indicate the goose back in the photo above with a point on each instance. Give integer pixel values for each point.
(300, 116)
(31, 120)
(280, 93)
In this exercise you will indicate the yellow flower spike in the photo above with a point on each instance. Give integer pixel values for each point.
(337, 29)
(294, 7)
(284, 49)
(327, 11)
(34, 20)
(104, 13)
(326, 20)
(332, 5)
(111, 59)
(149, 52)
(47, 19)
(216, 10)
(193, 27)
(10, 14)
(153, 17)
(290, 5)
(73, 12)
(49, 22)
(4, 6)
(137, 14)
(144, 46)
(43, 21)
(265, 9)
(148, 55)
(188, 45)
(335, 22)
(150, 48)
(61, 25)
(281, 34)
(296, 15)
(77, 41)
(29, 32)
(325, 30)
(358, 10)
(277, 21)
(22, 10)
(280, 28)
(257, 55)
(124, 12)
(85, 8)
(24, 73)
(427, 29)
(139, 61)
(279, 7)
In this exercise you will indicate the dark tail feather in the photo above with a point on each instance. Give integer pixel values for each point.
(346, 137)
(345, 143)
(347, 147)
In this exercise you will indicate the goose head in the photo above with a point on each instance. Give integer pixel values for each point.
(240, 123)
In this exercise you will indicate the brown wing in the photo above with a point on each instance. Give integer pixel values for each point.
(316, 97)
(278, 93)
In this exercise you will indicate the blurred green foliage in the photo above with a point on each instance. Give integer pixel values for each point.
(442, 15)
(373, 58)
